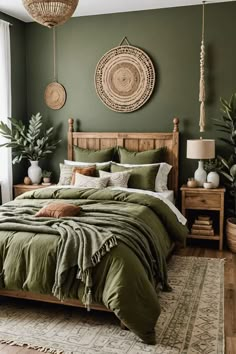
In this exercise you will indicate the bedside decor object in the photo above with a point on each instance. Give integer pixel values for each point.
(214, 178)
(213, 167)
(192, 183)
(55, 93)
(32, 143)
(208, 185)
(27, 181)
(50, 13)
(35, 172)
(200, 149)
(203, 225)
(124, 78)
(46, 176)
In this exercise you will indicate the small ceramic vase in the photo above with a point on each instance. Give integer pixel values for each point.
(35, 172)
(192, 183)
(214, 178)
(46, 180)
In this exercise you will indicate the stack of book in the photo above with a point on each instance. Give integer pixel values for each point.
(202, 226)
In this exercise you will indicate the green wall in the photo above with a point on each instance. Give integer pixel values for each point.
(18, 77)
(172, 39)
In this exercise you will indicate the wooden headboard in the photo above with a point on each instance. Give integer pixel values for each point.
(131, 141)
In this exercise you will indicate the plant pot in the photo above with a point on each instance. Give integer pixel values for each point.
(231, 234)
(35, 172)
(46, 180)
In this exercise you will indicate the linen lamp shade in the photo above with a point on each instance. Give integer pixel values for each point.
(201, 149)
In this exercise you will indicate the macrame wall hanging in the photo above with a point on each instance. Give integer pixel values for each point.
(124, 78)
(202, 89)
(55, 93)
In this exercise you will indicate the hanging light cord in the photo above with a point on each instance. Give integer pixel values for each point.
(202, 89)
(54, 53)
(203, 20)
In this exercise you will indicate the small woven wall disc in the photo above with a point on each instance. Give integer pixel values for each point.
(124, 78)
(55, 95)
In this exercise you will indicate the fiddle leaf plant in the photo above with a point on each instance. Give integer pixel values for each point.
(230, 175)
(226, 125)
(227, 122)
(32, 142)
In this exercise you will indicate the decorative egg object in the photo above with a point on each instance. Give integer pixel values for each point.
(27, 180)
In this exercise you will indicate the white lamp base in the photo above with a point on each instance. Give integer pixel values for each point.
(200, 174)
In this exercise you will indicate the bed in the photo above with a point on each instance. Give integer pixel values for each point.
(136, 233)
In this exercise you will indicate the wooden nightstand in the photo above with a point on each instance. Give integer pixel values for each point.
(22, 188)
(201, 199)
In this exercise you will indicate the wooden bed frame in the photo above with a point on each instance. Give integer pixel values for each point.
(131, 141)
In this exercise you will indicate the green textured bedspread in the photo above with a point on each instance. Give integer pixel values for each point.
(120, 239)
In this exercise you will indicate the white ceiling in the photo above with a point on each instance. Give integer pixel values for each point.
(16, 9)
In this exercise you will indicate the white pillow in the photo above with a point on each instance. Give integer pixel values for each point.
(82, 181)
(161, 177)
(116, 179)
(84, 164)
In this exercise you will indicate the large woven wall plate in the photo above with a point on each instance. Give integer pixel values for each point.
(55, 95)
(124, 78)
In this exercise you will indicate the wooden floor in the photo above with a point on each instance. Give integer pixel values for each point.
(230, 298)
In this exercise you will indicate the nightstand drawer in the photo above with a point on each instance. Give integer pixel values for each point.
(193, 200)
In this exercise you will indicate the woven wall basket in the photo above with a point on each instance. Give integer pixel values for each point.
(50, 13)
(124, 78)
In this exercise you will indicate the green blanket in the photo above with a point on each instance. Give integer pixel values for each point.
(85, 250)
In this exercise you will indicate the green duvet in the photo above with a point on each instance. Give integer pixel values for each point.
(113, 253)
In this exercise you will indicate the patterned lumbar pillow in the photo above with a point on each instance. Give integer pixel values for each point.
(116, 179)
(58, 210)
(82, 181)
(65, 174)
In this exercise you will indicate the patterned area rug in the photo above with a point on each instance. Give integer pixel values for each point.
(191, 322)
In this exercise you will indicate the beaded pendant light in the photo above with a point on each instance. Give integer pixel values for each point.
(50, 13)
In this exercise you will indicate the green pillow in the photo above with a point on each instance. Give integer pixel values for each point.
(143, 157)
(143, 177)
(86, 155)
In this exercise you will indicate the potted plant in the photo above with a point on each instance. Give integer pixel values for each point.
(227, 125)
(32, 143)
(46, 176)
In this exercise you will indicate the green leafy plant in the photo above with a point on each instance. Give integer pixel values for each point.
(230, 176)
(46, 174)
(226, 124)
(213, 165)
(32, 142)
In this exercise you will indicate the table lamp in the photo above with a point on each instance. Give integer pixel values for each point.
(200, 149)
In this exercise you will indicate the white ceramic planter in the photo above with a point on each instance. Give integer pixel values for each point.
(35, 172)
